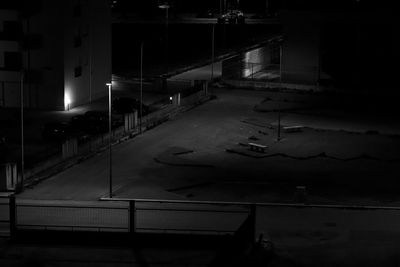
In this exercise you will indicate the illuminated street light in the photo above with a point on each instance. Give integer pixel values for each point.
(67, 101)
(109, 138)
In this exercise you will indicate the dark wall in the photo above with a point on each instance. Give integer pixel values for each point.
(347, 49)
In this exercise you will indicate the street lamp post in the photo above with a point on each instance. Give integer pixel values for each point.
(21, 185)
(279, 125)
(166, 6)
(280, 81)
(280, 63)
(109, 138)
(212, 51)
(141, 86)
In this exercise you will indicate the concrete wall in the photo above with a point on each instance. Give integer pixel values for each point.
(353, 48)
(247, 63)
(300, 57)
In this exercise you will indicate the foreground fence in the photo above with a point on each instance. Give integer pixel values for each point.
(133, 216)
(282, 222)
(4, 215)
(69, 216)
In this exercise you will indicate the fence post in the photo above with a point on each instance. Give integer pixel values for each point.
(132, 216)
(13, 216)
(253, 213)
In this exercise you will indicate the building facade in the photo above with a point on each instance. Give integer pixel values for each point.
(59, 50)
(347, 44)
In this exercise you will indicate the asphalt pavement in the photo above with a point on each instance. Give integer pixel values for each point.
(336, 235)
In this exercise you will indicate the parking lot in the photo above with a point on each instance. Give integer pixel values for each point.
(338, 159)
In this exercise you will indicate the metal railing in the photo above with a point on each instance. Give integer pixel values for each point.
(189, 217)
(4, 215)
(184, 217)
(71, 216)
(126, 216)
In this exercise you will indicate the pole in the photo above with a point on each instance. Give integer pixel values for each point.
(13, 215)
(279, 124)
(109, 139)
(212, 51)
(21, 186)
(90, 57)
(280, 81)
(166, 38)
(280, 64)
(141, 85)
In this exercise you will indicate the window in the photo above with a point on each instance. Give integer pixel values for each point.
(32, 42)
(78, 36)
(12, 61)
(78, 71)
(12, 31)
(77, 11)
(77, 41)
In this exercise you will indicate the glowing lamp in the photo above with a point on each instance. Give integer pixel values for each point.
(67, 101)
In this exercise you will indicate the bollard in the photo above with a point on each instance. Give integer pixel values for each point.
(300, 195)
(132, 216)
(13, 216)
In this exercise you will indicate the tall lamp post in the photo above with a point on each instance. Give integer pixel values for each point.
(141, 86)
(273, 42)
(166, 6)
(109, 138)
(212, 51)
(280, 84)
(21, 184)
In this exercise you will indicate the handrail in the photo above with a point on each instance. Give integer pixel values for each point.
(262, 204)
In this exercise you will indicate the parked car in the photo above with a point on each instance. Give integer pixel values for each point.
(78, 122)
(56, 131)
(95, 121)
(233, 16)
(124, 105)
(205, 14)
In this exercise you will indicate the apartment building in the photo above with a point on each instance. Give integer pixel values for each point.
(59, 50)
